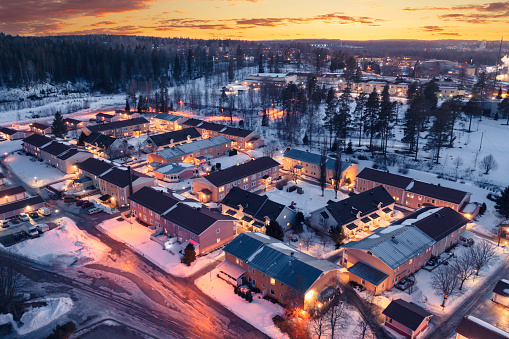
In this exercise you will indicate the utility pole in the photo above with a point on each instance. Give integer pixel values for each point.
(480, 144)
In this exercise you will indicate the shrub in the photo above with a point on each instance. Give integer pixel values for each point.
(482, 209)
(63, 331)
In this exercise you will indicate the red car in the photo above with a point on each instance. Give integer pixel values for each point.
(80, 202)
(87, 204)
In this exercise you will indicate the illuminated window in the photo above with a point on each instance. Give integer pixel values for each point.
(272, 281)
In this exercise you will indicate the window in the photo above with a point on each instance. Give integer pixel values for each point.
(282, 284)
(271, 291)
(218, 230)
(263, 275)
(218, 240)
(272, 282)
(237, 261)
(221, 189)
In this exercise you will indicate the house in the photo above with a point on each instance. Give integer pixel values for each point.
(356, 213)
(406, 318)
(12, 194)
(241, 138)
(410, 192)
(308, 164)
(471, 327)
(255, 211)
(165, 121)
(175, 172)
(12, 134)
(126, 115)
(105, 146)
(278, 270)
(26, 205)
(501, 292)
(120, 129)
(157, 142)
(33, 144)
(259, 79)
(37, 127)
(392, 253)
(106, 118)
(115, 183)
(195, 153)
(73, 124)
(63, 156)
(252, 175)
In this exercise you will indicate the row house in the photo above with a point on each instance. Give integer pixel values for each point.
(104, 146)
(195, 153)
(17, 207)
(168, 122)
(157, 142)
(308, 164)
(120, 129)
(13, 134)
(73, 124)
(278, 270)
(126, 115)
(410, 192)
(114, 182)
(241, 138)
(360, 212)
(12, 194)
(252, 176)
(33, 144)
(256, 211)
(106, 118)
(39, 128)
(392, 253)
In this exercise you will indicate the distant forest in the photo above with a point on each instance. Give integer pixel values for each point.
(108, 63)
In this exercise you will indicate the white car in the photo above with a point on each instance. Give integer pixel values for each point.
(24, 217)
(44, 211)
(4, 223)
(94, 210)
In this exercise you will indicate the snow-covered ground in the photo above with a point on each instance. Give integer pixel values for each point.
(34, 173)
(259, 313)
(8, 146)
(64, 245)
(138, 238)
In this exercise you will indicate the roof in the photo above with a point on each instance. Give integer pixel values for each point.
(436, 222)
(234, 131)
(279, 261)
(100, 140)
(232, 270)
(368, 273)
(173, 168)
(502, 288)
(154, 200)
(72, 121)
(120, 177)
(117, 124)
(314, 158)
(177, 136)
(407, 314)
(94, 166)
(234, 173)
(37, 140)
(384, 177)
(8, 131)
(12, 191)
(394, 245)
(345, 211)
(253, 204)
(38, 125)
(105, 115)
(56, 148)
(167, 117)
(194, 220)
(474, 328)
(68, 154)
(19, 204)
(195, 146)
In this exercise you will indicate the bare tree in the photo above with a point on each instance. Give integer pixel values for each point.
(483, 252)
(293, 174)
(307, 241)
(333, 315)
(323, 167)
(124, 150)
(269, 151)
(11, 283)
(444, 281)
(464, 267)
(318, 324)
(488, 163)
(366, 311)
(457, 163)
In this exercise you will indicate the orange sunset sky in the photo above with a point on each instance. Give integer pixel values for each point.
(259, 19)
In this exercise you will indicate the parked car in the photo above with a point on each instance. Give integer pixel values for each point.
(32, 159)
(467, 242)
(44, 211)
(55, 196)
(94, 210)
(14, 221)
(4, 223)
(70, 199)
(87, 204)
(34, 215)
(32, 231)
(80, 202)
(41, 228)
(24, 217)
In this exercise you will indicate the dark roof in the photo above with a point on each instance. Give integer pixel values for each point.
(367, 202)
(407, 314)
(2, 175)
(194, 220)
(100, 140)
(56, 148)
(502, 288)
(237, 132)
(72, 121)
(314, 159)
(37, 140)
(253, 204)
(436, 222)
(38, 125)
(167, 117)
(12, 191)
(69, 153)
(8, 131)
(120, 177)
(154, 200)
(104, 115)
(94, 166)
(234, 131)
(384, 177)
(473, 328)
(177, 136)
(19, 204)
(368, 273)
(117, 124)
(241, 171)
(279, 261)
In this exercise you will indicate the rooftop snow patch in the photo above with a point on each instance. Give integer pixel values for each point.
(390, 229)
(282, 246)
(488, 326)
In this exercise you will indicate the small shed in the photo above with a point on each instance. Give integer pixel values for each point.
(501, 292)
(406, 318)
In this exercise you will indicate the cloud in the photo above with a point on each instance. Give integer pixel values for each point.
(438, 30)
(473, 14)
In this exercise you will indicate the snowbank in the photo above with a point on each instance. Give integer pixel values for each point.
(35, 318)
(63, 245)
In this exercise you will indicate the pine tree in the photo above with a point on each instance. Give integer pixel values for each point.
(438, 133)
(358, 113)
(273, 229)
(305, 140)
(127, 106)
(343, 119)
(330, 112)
(81, 139)
(265, 119)
(386, 117)
(260, 64)
(415, 117)
(372, 108)
(189, 254)
(58, 127)
(502, 205)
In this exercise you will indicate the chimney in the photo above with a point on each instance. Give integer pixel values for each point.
(130, 180)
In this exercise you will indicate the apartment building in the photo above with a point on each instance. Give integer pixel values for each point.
(168, 122)
(39, 128)
(157, 142)
(120, 129)
(12, 194)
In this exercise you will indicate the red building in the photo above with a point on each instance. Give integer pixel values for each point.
(407, 319)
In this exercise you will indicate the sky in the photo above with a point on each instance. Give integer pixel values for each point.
(260, 19)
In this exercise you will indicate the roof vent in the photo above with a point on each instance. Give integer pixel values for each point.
(292, 253)
(394, 240)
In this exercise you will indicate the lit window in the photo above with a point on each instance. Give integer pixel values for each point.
(272, 281)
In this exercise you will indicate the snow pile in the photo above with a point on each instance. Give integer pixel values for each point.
(35, 318)
(63, 245)
(33, 173)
